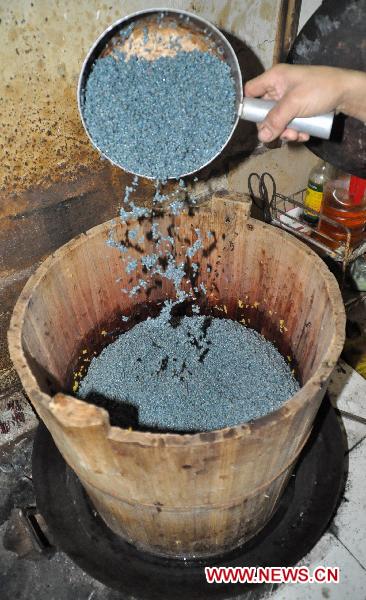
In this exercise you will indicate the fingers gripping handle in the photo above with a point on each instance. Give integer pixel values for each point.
(256, 110)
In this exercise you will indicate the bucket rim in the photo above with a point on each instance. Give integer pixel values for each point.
(316, 383)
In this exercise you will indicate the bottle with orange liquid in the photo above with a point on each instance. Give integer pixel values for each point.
(344, 201)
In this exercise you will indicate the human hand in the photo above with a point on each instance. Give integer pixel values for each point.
(301, 91)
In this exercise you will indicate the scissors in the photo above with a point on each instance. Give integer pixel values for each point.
(261, 197)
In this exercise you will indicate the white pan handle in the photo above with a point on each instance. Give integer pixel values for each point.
(256, 110)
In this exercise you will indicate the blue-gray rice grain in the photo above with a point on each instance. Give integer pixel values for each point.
(203, 374)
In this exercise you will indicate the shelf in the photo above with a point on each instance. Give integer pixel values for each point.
(287, 213)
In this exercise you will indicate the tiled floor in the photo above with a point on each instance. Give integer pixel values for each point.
(344, 545)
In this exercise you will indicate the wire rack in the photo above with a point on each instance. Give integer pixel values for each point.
(287, 213)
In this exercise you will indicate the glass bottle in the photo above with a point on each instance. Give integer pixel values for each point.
(344, 202)
(318, 176)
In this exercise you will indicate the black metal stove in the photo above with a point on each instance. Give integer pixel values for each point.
(305, 510)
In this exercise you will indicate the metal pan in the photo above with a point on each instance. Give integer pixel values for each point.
(148, 34)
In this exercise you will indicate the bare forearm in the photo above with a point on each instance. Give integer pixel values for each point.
(353, 100)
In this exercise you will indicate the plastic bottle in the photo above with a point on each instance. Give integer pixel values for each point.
(318, 176)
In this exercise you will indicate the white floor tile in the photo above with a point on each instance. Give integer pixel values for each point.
(328, 552)
(355, 432)
(350, 520)
(347, 390)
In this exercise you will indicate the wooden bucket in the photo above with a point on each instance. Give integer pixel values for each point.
(181, 495)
